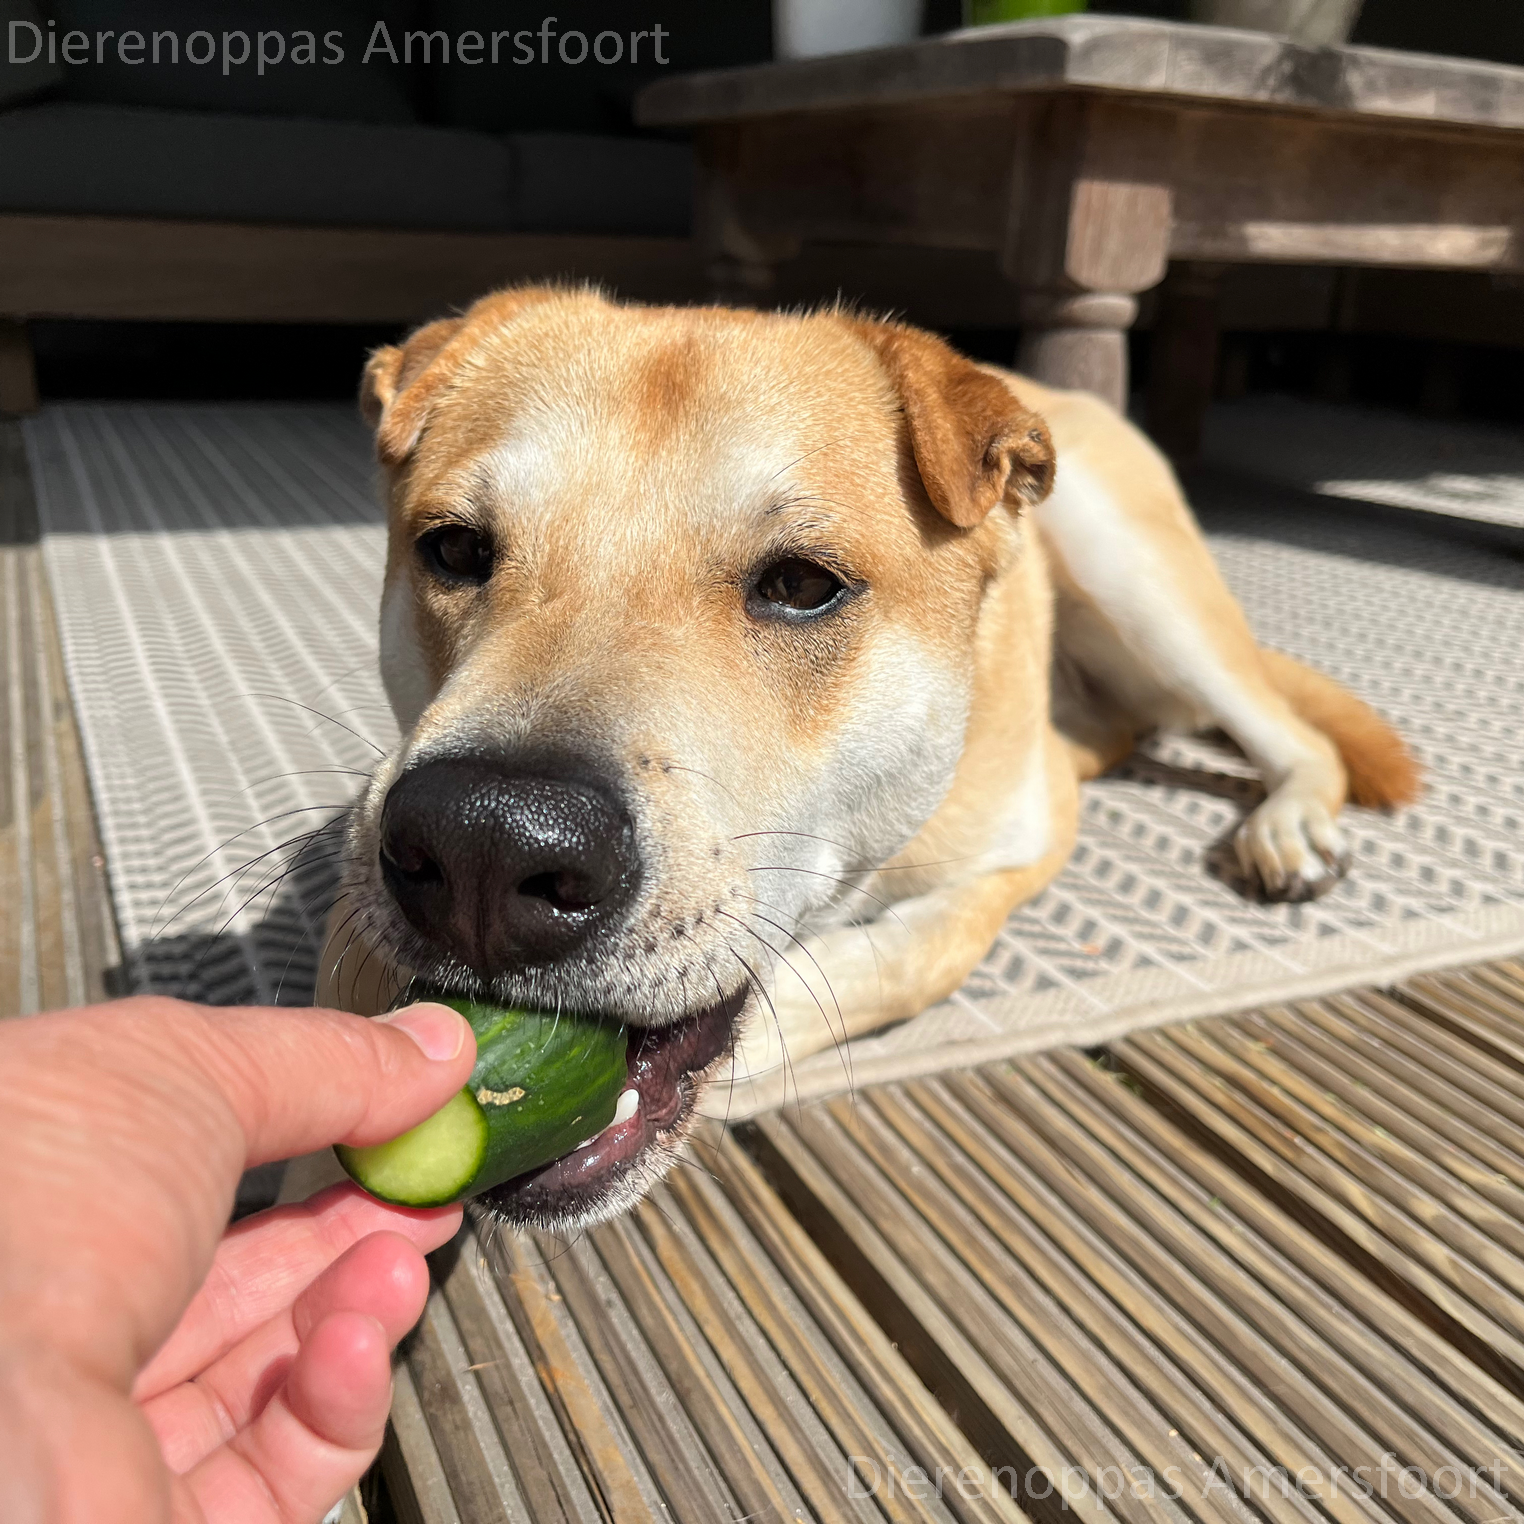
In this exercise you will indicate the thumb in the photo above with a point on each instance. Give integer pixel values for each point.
(299, 1080)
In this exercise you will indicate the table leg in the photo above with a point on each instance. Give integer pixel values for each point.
(736, 281)
(18, 373)
(1182, 366)
(740, 263)
(1078, 340)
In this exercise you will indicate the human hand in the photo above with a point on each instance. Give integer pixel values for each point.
(153, 1367)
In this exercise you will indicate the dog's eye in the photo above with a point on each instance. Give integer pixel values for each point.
(458, 552)
(799, 585)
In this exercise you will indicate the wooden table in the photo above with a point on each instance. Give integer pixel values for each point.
(1086, 153)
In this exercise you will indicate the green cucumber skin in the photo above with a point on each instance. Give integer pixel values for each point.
(572, 1073)
(541, 1085)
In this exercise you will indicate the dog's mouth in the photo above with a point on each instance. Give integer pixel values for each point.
(666, 1070)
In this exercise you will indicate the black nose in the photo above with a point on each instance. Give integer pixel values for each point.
(500, 868)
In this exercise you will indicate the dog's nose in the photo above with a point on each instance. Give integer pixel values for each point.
(500, 868)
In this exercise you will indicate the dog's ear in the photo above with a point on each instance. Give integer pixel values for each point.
(401, 380)
(975, 444)
(392, 400)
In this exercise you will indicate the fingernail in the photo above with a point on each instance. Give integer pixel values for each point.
(438, 1030)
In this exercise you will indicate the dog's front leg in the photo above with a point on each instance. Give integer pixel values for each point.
(852, 980)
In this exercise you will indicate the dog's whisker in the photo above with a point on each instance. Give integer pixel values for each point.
(223, 846)
(819, 449)
(303, 909)
(941, 862)
(307, 772)
(677, 767)
(299, 859)
(270, 886)
(798, 920)
(842, 1045)
(282, 698)
(783, 957)
(761, 989)
(231, 878)
(370, 948)
(730, 1089)
(337, 932)
(816, 873)
(359, 666)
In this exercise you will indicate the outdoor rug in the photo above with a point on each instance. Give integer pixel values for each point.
(1461, 467)
(216, 572)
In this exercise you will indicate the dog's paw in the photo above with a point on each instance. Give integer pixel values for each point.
(1291, 849)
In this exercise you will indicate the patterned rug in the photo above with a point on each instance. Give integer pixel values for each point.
(1465, 469)
(216, 571)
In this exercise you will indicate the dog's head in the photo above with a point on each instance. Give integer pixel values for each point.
(677, 627)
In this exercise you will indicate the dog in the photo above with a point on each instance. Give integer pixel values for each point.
(748, 666)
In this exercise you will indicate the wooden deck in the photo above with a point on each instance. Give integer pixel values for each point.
(57, 935)
(1205, 1262)
(1268, 1266)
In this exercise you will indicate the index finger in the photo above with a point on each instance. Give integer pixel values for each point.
(265, 1262)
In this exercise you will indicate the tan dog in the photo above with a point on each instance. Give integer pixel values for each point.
(713, 635)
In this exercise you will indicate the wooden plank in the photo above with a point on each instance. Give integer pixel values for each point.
(874, 177)
(1008, 1397)
(18, 370)
(1433, 1048)
(1424, 1212)
(411, 1466)
(1141, 1390)
(692, 1487)
(828, 1394)
(1423, 1140)
(58, 941)
(1407, 1378)
(1107, 53)
(1487, 1017)
(597, 1437)
(104, 267)
(479, 1476)
(94, 951)
(787, 1417)
(18, 928)
(1395, 1088)
(936, 1443)
(60, 974)
(1100, 191)
(1347, 1413)
(82, 267)
(1506, 978)
(750, 1473)
(1444, 1277)
(1255, 187)
(1210, 1335)
(552, 1487)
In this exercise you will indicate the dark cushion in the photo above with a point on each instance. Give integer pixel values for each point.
(551, 94)
(131, 161)
(19, 80)
(351, 90)
(568, 183)
(135, 162)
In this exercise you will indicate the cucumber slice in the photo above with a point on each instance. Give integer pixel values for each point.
(542, 1084)
(432, 1162)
